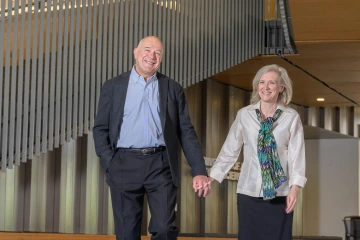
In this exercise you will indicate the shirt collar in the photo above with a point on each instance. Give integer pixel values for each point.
(257, 106)
(135, 77)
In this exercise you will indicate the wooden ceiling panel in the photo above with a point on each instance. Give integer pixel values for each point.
(336, 64)
(331, 100)
(325, 19)
(327, 34)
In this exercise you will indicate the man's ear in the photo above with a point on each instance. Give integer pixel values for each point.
(135, 53)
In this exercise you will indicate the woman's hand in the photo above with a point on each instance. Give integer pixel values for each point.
(291, 198)
(203, 188)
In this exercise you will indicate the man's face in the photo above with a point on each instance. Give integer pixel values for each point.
(148, 56)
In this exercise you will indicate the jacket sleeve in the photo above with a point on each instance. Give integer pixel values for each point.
(188, 138)
(229, 152)
(101, 127)
(296, 154)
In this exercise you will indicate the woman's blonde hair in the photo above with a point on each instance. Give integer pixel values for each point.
(284, 79)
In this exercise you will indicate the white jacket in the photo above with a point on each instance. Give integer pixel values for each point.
(289, 136)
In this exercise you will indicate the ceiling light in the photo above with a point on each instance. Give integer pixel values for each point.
(320, 99)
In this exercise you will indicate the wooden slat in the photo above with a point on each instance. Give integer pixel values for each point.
(2, 27)
(12, 119)
(205, 60)
(40, 81)
(158, 20)
(217, 38)
(173, 17)
(186, 15)
(84, 45)
(177, 41)
(59, 66)
(115, 59)
(46, 91)
(168, 19)
(232, 24)
(251, 29)
(98, 79)
(110, 64)
(90, 101)
(145, 10)
(121, 37)
(65, 79)
(90, 59)
(164, 33)
(221, 28)
(5, 93)
(181, 41)
(234, 36)
(72, 81)
(132, 28)
(33, 83)
(196, 41)
(238, 32)
(190, 55)
(261, 25)
(53, 82)
(105, 45)
(136, 24)
(125, 35)
(213, 17)
(80, 28)
(19, 106)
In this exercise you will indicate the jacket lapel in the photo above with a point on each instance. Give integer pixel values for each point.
(163, 92)
(119, 97)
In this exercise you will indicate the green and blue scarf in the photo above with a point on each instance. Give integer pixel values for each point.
(271, 171)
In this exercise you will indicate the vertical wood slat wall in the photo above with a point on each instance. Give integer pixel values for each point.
(56, 54)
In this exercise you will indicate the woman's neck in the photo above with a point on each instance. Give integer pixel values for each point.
(267, 109)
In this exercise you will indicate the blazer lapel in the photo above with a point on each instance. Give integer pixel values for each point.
(163, 92)
(119, 97)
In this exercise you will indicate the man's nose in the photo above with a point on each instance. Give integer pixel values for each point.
(152, 55)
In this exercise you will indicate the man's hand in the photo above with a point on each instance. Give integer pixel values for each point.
(202, 185)
(291, 198)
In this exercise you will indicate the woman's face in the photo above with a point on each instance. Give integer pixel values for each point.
(269, 87)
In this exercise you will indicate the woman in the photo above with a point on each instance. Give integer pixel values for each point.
(274, 158)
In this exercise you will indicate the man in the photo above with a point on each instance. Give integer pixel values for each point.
(141, 116)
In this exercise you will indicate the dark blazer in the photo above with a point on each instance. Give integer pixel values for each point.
(175, 122)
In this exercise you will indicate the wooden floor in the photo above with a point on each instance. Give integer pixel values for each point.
(45, 236)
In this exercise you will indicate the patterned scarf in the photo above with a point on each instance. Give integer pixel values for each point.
(271, 171)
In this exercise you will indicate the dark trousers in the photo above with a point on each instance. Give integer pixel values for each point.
(263, 220)
(131, 176)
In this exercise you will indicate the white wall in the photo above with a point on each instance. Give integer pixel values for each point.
(332, 190)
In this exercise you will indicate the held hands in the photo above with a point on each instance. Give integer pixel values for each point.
(202, 185)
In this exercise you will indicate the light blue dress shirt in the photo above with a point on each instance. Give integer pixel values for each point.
(141, 126)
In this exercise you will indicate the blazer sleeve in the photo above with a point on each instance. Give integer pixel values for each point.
(188, 138)
(101, 127)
